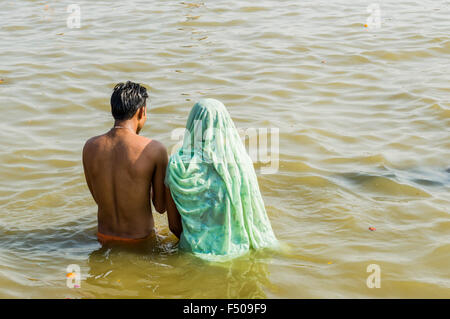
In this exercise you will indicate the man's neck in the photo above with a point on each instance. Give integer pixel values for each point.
(130, 125)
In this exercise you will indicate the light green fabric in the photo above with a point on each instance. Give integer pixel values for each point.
(214, 186)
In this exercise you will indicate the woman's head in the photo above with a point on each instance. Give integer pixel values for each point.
(207, 114)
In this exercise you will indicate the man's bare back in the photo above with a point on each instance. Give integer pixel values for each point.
(122, 168)
(125, 171)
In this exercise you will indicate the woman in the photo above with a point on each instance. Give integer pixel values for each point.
(213, 186)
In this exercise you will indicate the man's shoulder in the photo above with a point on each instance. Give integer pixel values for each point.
(92, 145)
(93, 141)
(155, 149)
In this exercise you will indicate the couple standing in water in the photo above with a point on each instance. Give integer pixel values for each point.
(208, 187)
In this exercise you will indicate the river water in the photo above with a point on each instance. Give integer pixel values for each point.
(363, 120)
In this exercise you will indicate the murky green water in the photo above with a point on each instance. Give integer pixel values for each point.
(364, 127)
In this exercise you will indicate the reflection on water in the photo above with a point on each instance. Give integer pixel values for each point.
(156, 271)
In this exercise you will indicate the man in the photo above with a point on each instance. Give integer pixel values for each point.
(125, 171)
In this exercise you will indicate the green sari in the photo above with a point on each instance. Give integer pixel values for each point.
(214, 186)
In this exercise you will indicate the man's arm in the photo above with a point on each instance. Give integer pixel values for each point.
(158, 187)
(86, 175)
(173, 216)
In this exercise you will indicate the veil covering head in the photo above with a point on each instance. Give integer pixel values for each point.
(214, 186)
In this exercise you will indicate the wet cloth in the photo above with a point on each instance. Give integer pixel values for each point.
(108, 239)
(214, 186)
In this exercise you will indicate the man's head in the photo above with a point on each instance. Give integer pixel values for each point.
(128, 101)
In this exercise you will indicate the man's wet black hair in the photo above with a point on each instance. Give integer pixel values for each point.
(126, 99)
